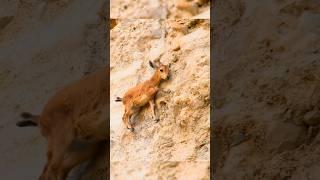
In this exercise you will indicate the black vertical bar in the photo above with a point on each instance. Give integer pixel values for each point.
(107, 54)
(212, 97)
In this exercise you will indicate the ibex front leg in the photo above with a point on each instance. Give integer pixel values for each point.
(152, 106)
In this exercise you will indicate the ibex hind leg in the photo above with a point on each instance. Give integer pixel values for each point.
(76, 157)
(59, 148)
(126, 117)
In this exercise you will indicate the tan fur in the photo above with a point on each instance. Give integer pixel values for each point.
(75, 116)
(137, 97)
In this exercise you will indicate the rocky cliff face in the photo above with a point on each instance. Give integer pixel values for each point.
(160, 9)
(44, 45)
(178, 144)
(267, 90)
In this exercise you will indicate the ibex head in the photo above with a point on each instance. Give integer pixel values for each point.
(162, 70)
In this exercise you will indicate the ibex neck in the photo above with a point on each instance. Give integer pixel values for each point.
(155, 79)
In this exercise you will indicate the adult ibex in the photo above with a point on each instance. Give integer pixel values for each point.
(74, 122)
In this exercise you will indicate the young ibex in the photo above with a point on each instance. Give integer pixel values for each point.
(137, 97)
(74, 122)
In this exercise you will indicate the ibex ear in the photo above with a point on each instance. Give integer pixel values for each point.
(157, 64)
(152, 64)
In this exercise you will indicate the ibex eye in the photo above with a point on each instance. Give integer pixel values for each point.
(161, 70)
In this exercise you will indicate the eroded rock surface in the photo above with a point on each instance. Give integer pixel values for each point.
(267, 91)
(182, 134)
(160, 9)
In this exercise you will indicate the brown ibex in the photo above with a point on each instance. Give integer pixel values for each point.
(74, 122)
(137, 97)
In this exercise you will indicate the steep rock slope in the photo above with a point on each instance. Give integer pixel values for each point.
(185, 9)
(139, 9)
(267, 98)
(159, 9)
(182, 134)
